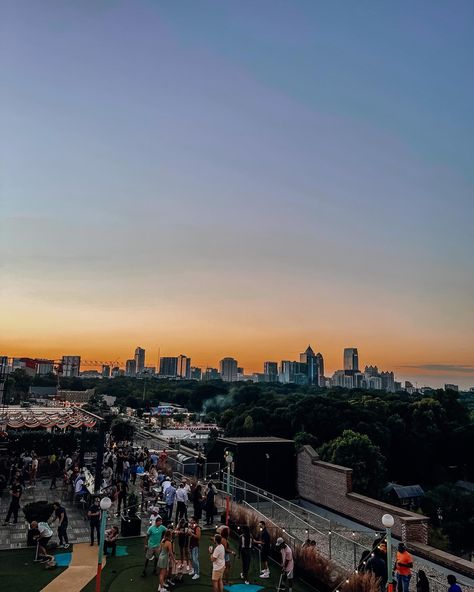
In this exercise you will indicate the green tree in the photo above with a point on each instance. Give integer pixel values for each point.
(304, 438)
(357, 452)
(122, 430)
(248, 425)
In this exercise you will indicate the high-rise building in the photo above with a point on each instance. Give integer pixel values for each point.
(351, 359)
(139, 360)
(168, 367)
(312, 367)
(116, 372)
(293, 372)
(184, 367)
(228, 369)
(105, 371)
(270, 371)
(320, 364)
(451, 387)
(211, 374)
(71, 365)
(131, 367)
(44, 367)
(196, 373)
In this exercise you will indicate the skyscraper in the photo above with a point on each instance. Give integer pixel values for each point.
(320, 365)
(270, 371)
(351, 359)
(184, 367)
(71, 365)
(168, 367)
(130, 368)
(309, 358)
(139, 359)
(105, 371)
(228, 369)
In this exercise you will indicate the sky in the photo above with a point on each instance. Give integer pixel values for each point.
(239, 179)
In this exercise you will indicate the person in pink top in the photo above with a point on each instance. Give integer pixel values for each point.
(287, 563)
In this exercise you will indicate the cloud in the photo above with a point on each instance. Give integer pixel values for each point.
(455, 368)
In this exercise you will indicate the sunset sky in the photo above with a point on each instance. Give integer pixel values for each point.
(239, 178)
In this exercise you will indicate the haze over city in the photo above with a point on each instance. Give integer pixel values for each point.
(239, 179)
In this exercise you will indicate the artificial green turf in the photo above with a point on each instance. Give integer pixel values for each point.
(122, 574)
(19, 572)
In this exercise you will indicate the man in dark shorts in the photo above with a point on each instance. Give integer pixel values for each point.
(15, 491)
(264, 543)
(61, 516)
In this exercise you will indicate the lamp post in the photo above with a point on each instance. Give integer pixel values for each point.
(105, 504)
(388, 522)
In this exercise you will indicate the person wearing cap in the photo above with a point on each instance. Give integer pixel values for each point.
(152, 544)
(287, 563)
(403, 566)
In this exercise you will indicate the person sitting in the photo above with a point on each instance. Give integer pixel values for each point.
(110, 542)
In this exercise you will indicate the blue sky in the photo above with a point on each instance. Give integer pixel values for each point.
(240, 178)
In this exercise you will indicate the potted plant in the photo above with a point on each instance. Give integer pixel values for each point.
(39, 511)
(131, 524)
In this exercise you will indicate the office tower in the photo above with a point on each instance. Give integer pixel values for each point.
(149, 370)
(351, 359)
(168, 367)
(44, 367)
(388, 381)
(139, 360)
(196, 373)
(211, 374)
(270, 371)
(184, 367)
(116, 372)
(320, 365)
(130, 368)
(228, 369)
(4, 365)
(71, 365)
(312, 369)
(293, 372)
(105, 371)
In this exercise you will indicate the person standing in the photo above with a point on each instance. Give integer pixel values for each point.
(110, 540)
(453, 584)
(181, 501)
(164, 560)
(287, 563)
(200, 462)
(34, 470)
(94, 519)
(245, 552)
(403, 567)
(15, 491)
(218, 564)
(194, 539)
(209, 504)
(264, 543)
(422, 583)
(377, 565)
(169, 494)
(152, 544)
(197, 501)
(61, 516)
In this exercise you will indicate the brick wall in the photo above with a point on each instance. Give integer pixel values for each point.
(331, 486)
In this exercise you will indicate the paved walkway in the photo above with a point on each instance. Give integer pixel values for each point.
(82, 569)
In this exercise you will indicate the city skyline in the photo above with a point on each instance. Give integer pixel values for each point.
(438, 376)
(241, 179)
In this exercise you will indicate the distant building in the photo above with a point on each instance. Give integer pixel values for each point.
(451, 387)
(44, 367)
(116, 372)
(131, 368)
(105, 371)
(388, 381)
(211, 374)
(184, 367)
(196, 373)
(4, 366)
(228, 369)
(91, 374)
(139, 360)
(270, 372)
(312, 367)
(293, 372)
(80, 397)
(320, 364)
(71, 366)
(351, 359)
(343, 380)
(169, 367)
(41, 392)
(28, 365)
(374, 383)
(407, 496)
(149, 370)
